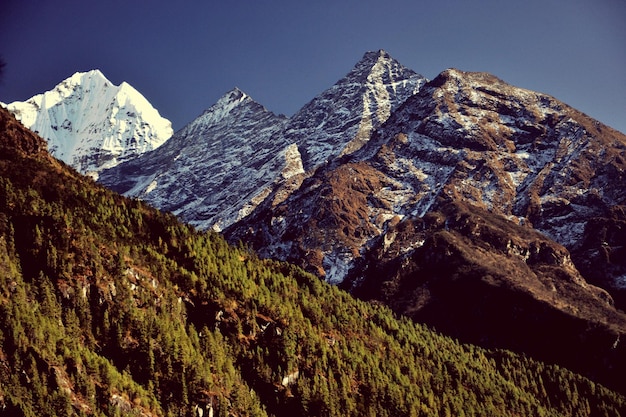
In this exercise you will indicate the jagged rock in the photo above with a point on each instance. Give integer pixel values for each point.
(472, 137)
(342, 119)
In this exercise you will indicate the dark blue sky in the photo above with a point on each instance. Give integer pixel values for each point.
(184, 55)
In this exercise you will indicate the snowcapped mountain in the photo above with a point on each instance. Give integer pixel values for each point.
(212, 171)
(91, 124)
(217, 169)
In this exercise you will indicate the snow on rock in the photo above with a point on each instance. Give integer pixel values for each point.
(91, 124)
(341, 119)
(282, 183)
(293, 162)
(222, 165)
(214, 170)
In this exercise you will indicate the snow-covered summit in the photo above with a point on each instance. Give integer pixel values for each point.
(376, 67)
(92, 124)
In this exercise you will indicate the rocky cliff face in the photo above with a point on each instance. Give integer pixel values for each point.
(481, 278)
(342, 119)
(91, 124)
(517, 153)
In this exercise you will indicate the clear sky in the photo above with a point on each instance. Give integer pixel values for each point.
(183, 55)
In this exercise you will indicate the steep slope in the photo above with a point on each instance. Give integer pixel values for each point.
(517, 157)
(520, 154)
(342, 119)
(212, 171)
(517, 153)
(483, 279)
(108, 307)
(91, 124)
(216, 170)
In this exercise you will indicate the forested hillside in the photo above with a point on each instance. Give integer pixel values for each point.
(108, 307)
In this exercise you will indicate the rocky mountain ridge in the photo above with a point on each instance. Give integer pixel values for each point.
(217, 169)
(470, 136)
(341, 119)
(92, 124)
(210, 172)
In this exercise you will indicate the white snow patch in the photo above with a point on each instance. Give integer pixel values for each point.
(151, 187)
(254, 202)
(293, 162)
(517, 177)
(337, 266)
(142, 183)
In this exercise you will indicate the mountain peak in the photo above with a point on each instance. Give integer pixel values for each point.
(373, 56)
(378, 66)
(94, 73)
(454, 77)
(92, 124)
(235, 96)
(232, 149)
(223, 107)
(83, 78)
(342, 118)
